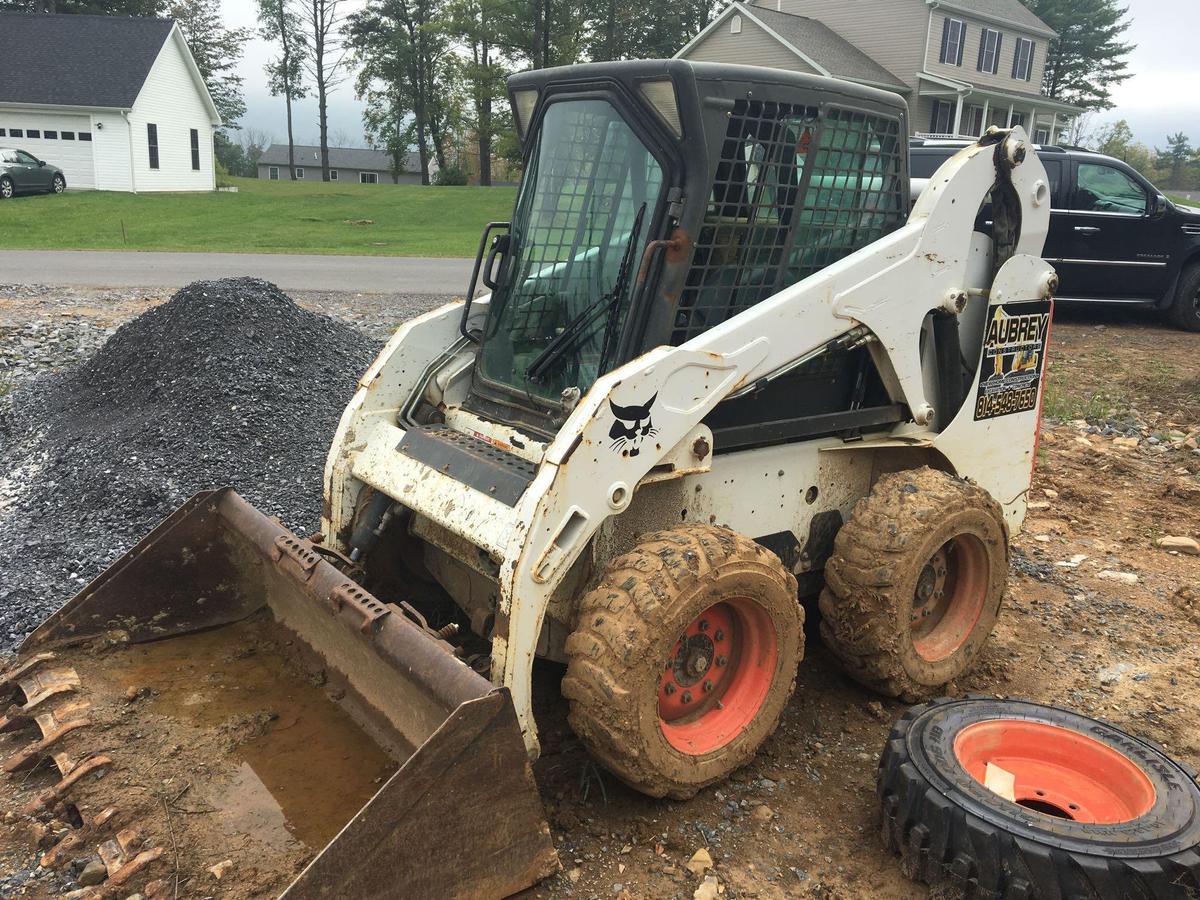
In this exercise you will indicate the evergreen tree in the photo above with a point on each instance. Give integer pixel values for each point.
(1088, 58)
(1175, 161)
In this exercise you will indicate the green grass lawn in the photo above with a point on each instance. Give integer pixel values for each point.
(1183, 201)
(263, 217)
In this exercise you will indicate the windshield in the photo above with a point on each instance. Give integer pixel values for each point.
(582, 220)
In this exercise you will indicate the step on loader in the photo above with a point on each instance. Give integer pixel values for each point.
(720, 369)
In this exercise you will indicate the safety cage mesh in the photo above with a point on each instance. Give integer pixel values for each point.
(796, 189)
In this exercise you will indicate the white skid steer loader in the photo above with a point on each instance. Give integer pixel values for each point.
(719, 367)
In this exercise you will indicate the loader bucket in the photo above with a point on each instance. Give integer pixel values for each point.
(187, 670)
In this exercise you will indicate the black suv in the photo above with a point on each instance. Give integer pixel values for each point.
(1114, 238)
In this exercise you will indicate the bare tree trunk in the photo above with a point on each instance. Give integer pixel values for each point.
(483, 114)
(287, 87)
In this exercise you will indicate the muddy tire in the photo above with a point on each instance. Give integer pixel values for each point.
(1091, 812)
(1184, 311)
(915, 582)
(684, 658)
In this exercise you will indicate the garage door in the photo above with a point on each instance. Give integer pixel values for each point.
(64, 141)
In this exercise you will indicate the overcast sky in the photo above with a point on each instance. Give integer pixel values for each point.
(1161, 97)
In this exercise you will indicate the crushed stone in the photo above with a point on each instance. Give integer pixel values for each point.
(229, 382)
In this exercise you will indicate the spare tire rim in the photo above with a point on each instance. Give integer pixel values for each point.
(1055, 771)
(949, 597)
(717, 676)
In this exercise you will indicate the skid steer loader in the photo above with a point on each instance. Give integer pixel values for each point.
(718, 368)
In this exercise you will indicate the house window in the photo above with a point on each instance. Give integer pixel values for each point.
(299, 171)
(943, 117)
(989, 51)
(152, 143)
(972, 123)
(33, 133)
(735, 25)
(333, 175)
(85, 135)
(50, 135)
(68, 135)
(954, 35)
(195, 149)
(1018, 118)
(368, 178)
(273, 173)
(1023, 60)
(1041, 136)
(16, 132)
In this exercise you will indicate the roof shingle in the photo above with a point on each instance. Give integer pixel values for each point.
(827, 48)
(339, 158)
(77, 60)
(1013, 11)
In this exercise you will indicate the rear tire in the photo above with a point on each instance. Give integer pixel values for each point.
(915, 582)
(1141, 838)
(6, 188)
(1184, 312)
(684, 658)
(58, 185)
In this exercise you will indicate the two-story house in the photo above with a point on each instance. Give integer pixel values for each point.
(962, 65)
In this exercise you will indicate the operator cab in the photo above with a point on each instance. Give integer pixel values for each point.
(659, 199)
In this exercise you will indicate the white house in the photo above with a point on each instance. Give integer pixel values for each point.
(117, 103)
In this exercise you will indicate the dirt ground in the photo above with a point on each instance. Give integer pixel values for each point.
(1098, 618)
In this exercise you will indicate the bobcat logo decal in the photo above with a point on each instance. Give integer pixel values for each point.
(631, 426)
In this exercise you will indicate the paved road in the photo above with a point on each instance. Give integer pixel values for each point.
(370, 274)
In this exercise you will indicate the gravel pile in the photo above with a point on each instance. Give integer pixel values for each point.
(229, 382)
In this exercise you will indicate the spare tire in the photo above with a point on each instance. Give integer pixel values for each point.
(1077, 807)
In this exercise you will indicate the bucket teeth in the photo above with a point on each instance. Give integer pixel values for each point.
(73, 773)
(54, 725)
(36, 689)
(23, 669)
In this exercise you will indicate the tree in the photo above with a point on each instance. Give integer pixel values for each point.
(1116, 140)
(253, 143)
(1088, 58)
(625, 29)
(279, 22)
(217, 51)
(1175, 161)
(472, 23)
(325, 61)
(408, 78)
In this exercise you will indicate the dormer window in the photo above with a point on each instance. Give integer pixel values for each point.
(1023, 60)
(954, 35)
(989, 51)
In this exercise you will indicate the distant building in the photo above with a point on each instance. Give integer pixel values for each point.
(962, 65)
(117, 103)
(345, 164)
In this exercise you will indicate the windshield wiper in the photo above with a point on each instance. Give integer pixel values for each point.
(582, 323)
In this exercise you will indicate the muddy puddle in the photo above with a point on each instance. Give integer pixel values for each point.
(279, 762)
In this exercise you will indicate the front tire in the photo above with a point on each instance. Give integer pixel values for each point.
(684, 658)
(1075, 807)
(915, 582)
(6, 188)
(1184, 312)
(58, 185)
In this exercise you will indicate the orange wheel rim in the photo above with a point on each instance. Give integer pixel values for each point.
(717, 676)
(949, 597)
(1057, 771)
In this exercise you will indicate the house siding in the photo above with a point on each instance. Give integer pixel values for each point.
(110, 151)
(891, 32)
(171, 100)
(752, 47)
(345, 176)
(968, 72)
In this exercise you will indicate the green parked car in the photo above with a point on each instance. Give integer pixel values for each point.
(24, 173)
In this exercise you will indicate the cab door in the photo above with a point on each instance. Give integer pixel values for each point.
(1113, 243)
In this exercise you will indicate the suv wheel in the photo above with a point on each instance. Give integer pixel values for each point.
(1185, 311)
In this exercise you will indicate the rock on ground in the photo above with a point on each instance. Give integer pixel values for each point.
(230, 382)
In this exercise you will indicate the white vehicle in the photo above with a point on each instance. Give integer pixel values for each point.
(720, 365)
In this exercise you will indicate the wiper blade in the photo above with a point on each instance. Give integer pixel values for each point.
(581, 324)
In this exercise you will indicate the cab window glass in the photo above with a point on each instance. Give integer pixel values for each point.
(1101, 188)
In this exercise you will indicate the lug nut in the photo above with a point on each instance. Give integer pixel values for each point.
(721, 660)
(669, 689)
(703, 625)
(718, 635)
(707, 685)
(687, 697)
